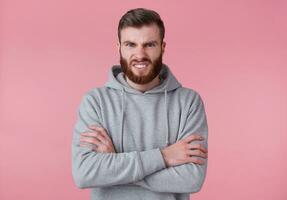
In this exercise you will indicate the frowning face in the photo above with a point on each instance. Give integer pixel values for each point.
(141, 53)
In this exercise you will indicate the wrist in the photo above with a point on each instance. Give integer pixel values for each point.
(164, 156)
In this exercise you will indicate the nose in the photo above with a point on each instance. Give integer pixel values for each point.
(140, 52)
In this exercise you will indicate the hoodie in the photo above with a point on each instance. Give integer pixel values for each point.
(140, 124)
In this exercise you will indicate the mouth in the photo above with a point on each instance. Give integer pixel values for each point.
(140, 65)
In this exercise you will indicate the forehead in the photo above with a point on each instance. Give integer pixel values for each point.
(141, 34)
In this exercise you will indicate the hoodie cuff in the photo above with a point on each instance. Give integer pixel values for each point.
(152, 161)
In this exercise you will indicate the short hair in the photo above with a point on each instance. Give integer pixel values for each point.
(139, 17)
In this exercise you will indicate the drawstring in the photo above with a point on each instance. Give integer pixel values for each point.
(167, 129)
(122, 119)
(122, 123)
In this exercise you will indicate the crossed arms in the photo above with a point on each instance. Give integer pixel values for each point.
(175, 169)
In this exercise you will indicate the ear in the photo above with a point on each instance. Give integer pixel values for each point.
(118, 46)
(163, 47)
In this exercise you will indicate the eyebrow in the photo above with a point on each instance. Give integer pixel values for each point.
(152, 41)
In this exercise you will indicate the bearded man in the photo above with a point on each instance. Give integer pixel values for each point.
(142, 135)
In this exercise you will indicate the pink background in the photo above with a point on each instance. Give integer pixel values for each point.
(234, 53)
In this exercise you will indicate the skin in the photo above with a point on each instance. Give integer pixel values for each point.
(138, 45)
(141, 45)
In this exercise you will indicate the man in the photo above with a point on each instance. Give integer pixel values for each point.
(142, 135)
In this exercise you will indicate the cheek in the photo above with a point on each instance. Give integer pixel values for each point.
(154, 55)
(126, 55)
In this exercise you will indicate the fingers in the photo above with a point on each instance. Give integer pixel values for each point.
(197, 153)
(101, 130)
(99, 137)
(96, 135)
(87, 145)
(193, 137)
(197, 146)
(196, 160)
(90, 138)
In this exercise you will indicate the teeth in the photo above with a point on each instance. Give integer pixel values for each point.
(140, 65)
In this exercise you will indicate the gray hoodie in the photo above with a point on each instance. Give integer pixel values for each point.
(140, 124)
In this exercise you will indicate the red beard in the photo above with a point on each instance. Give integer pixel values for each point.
(156, 68)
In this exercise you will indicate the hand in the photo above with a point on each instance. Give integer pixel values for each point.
(184, 151)
(102, 143)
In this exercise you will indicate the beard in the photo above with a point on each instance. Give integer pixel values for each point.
(156, 67)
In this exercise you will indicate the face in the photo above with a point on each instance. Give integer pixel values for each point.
(141, 53)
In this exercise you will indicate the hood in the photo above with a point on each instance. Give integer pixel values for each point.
(168, 82)
(117, 81)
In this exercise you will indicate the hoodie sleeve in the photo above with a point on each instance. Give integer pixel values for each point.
(186, 178)
(92, 169)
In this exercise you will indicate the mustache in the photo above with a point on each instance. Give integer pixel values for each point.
(140, 60)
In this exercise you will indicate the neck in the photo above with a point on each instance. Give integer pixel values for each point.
(144, 87)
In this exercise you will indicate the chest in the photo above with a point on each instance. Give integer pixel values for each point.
(142, 122)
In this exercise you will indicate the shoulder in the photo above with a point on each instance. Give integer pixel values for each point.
(189, 95)
(92, 96)
(96, 92)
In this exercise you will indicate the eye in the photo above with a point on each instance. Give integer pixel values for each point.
(150, 44)
(130, 44)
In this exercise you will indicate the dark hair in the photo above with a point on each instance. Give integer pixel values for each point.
(139, 17)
